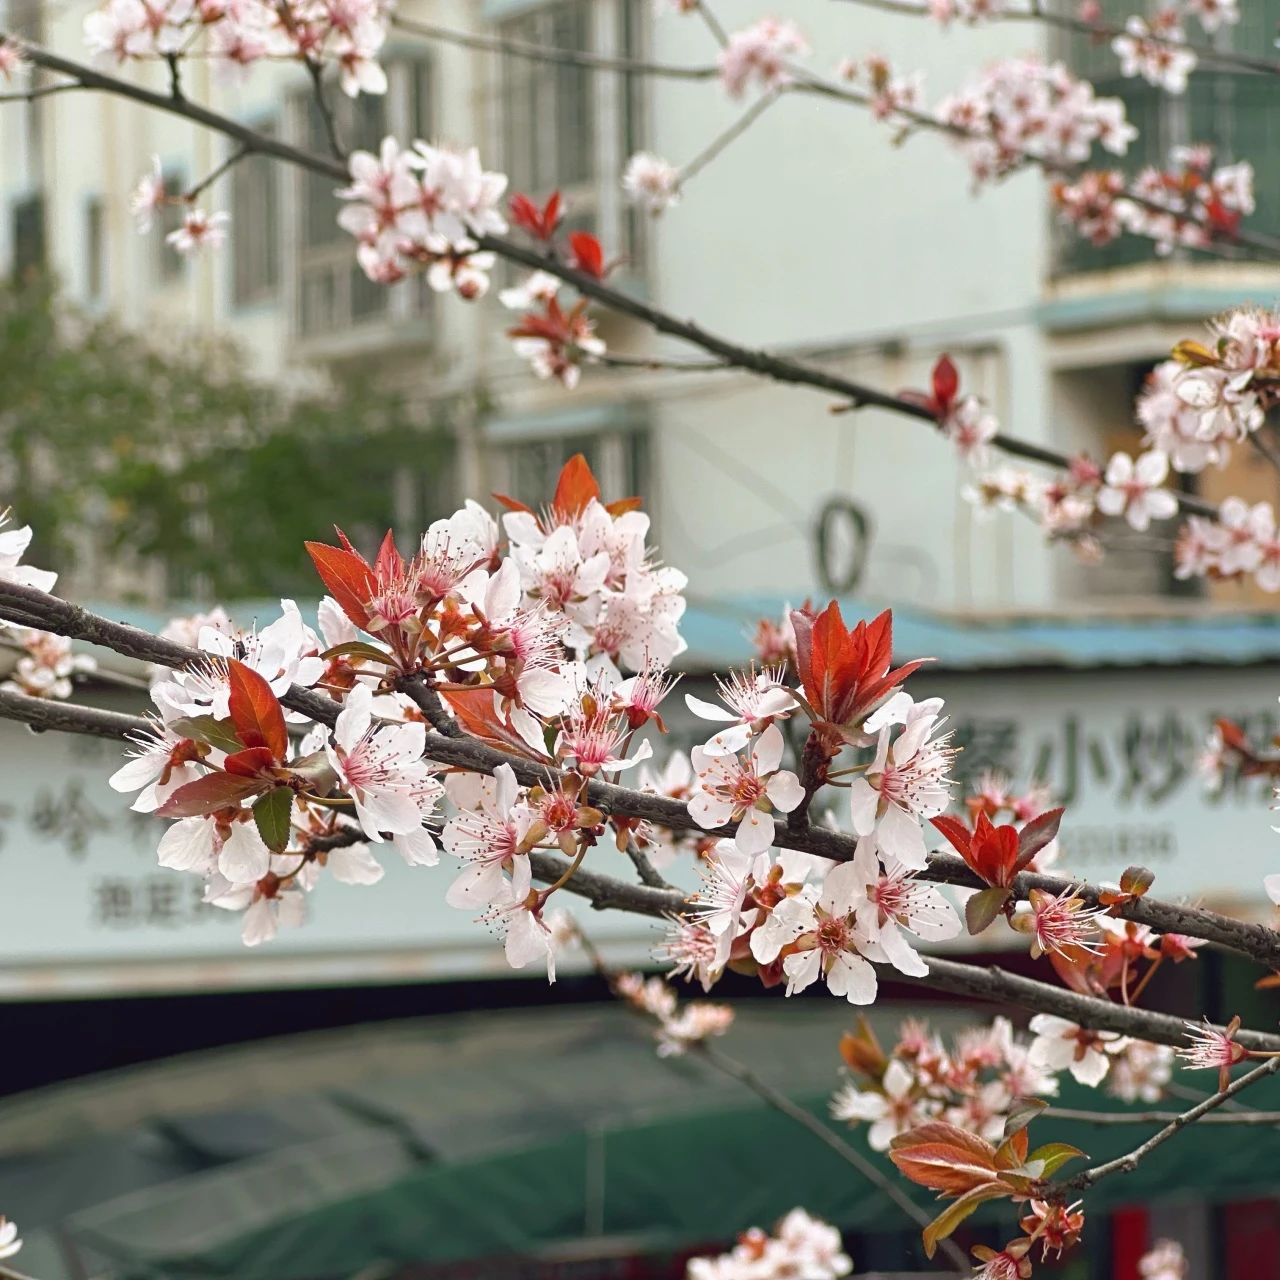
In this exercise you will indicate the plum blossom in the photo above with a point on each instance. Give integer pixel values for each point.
(801, 1246)
(271, 904)
(148, 196)
(693, 1024)
(199, 231)
(906, 782)
(13, 545)
(488, 834)
(13, 60)
(895, 904)
(891, 1110)
(692, 951)
(537, 287)
(381, 766)
(46, 663)
(822, 933)
(651, 182)
(753, 700)
(161, 762)
(1063, 1046)
(9, 1241)
(1141, 1072)
(1165, 1260)
(745, 792)
(1132, 489)
(1159, 56)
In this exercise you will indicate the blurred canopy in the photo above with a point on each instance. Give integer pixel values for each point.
(162, 447)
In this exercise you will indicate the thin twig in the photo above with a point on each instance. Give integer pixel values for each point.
(851, 1155)
(244, 150)
(1129, 1162)
(718, 144)
(1161, 1117)
(1094, 31)
(760, 363)
(551, 53)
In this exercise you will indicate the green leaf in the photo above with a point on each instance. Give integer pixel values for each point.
(983, 908)
(272, 814)
(217, 733)
(956, 1212)
(1055, 1155)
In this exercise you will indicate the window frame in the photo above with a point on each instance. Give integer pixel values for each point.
(410, 301)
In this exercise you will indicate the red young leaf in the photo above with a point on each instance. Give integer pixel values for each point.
(993, 852)
(347, 577)
(389, 563)
(513, 504)
(540, 223)
(476, 713)
(255, 711)
(575, 488)
(956, 833)
(944, 1158)
(250, 762)
(1037, 834)
(1233, 736)
(946, 382)
(209, 794)
(588, 255)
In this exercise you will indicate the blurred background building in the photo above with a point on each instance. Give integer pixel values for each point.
(140, 456)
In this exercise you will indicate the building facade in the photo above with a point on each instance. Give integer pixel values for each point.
(867, 257)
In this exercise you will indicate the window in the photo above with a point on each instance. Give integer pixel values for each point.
(567, 128)
(526, 455)
(1233, 111)
(28, 237)
(255, 227)
(169, 263)
(332, 294)
(95, 264)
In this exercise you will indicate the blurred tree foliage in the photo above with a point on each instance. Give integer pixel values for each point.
(175, 454)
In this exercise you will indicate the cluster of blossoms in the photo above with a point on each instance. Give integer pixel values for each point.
(527, 644)
(760, 55)
(798, 918)
(556, 340)
(973, 1084)
(199, 230)
(680, 1026)
(46, 664)
(1024, 110)
(800, 1245)
(891, 97)
(420, 210)
(1190, 203)
(348, 36)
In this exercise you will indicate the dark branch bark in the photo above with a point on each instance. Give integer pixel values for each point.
(63, 618)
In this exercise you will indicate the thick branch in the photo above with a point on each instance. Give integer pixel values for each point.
(41, 714)
(63, 618)
(1128, 1163)
(605, 893)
